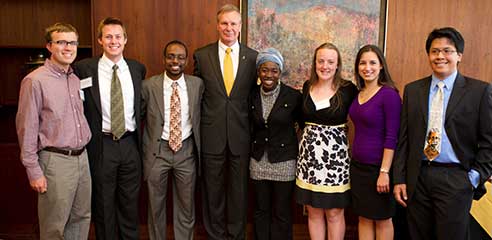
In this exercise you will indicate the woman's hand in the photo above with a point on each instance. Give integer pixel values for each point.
(383, 185)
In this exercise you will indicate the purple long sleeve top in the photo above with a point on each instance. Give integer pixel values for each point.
(376, 122)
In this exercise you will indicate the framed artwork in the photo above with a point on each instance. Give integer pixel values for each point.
(297, 28)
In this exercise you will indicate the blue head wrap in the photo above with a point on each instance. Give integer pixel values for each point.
(270, 55)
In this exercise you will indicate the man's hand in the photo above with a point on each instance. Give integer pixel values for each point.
(39, 185)
(400, 192)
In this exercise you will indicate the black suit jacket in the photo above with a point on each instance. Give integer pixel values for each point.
(278, 135)
(468, 124)
(225, 118)
(92, 104)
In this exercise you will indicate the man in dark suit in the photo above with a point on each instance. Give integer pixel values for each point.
(112, 108)
(444, 153)
(160, 157)
(228, 71)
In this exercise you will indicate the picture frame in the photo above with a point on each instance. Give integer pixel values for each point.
(296, 28)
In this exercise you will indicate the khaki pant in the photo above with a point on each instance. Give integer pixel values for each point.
(65, 208)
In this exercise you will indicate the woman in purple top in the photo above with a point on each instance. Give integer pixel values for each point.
(376, 117)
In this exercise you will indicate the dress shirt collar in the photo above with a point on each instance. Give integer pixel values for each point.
(448, 82)
(57, 69)
(108, 63)
(234, 47)
(168, 81)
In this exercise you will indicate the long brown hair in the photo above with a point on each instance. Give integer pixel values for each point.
(337, 79)
(384, 78)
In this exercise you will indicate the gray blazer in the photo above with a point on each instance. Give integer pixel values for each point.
(152, 109)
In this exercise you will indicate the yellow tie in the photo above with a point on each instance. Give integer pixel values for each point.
(228, 74)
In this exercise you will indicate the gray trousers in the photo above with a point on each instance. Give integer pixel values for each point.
(64, 210)
(181, 167)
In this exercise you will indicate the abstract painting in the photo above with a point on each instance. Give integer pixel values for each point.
(296, 28)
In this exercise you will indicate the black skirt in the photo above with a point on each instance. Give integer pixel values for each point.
(366, 201)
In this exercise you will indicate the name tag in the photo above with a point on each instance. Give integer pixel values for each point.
(85, 83)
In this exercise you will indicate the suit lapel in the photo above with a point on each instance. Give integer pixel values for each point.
(459, 90)
(423, 99)
(136, 86)
(277, 103)
(95, 83)
(158, 94)
(240, 68)
(190, 88)
(257, 104)
(213, 56)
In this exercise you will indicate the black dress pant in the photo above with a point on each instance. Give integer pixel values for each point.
(439, 208)
(224, 179)
(273, 210)
(115, 191)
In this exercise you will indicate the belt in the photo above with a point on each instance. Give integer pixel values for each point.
(65, 152)
(440, 164)
(127, 133)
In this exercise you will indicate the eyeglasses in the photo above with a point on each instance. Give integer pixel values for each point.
(171, 57)
(65, 43)
(445, 51)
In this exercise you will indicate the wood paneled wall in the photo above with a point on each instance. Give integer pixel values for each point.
(409, 23)
(150, 24)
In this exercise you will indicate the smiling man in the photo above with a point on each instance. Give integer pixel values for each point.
(228, 71)
(53, 132)
(444, 154)
(171, 109)
(112, 86)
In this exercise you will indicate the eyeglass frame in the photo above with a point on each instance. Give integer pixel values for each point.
(179, 57)
(444, 51)
(66, 43)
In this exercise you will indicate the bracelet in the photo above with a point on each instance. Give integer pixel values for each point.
(384, 171)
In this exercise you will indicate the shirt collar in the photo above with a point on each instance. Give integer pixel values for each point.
(448, 82)
(57, 69)
(168, 81)
(234, 47)
(121, 63)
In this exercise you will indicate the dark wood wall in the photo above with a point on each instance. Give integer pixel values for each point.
(409, 23)
(151, 24)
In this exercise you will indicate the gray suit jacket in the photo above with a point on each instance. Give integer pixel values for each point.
(152, 109)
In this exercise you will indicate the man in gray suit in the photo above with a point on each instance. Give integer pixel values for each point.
(228, 70)
(171, 142)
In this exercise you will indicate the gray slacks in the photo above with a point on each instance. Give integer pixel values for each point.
(181, 167)
(64, 210)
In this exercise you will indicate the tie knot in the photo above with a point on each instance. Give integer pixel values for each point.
(115, 67)
(174, 84)
(228, 50)
(440, 84)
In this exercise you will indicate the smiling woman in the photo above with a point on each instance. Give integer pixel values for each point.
(275, 109)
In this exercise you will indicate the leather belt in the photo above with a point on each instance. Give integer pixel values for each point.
(65, 152)
(440, 164)
(127, 134)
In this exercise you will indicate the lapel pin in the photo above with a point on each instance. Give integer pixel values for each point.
(244, 57)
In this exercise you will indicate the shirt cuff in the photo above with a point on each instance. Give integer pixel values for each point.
(474, 177)
(34, 173)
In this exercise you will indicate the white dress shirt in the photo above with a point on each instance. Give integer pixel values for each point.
(234, 55)
(185, 110)
(105, 74)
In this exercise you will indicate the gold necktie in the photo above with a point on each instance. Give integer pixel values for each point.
(228, 71)
(434, 134)
(117, 106)
(175, 141)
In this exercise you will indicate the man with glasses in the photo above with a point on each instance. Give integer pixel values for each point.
(444, 154)
(52, 133)
(171, 104)
(112, 107)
